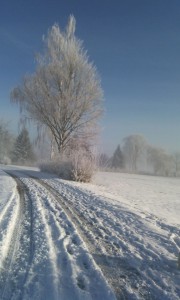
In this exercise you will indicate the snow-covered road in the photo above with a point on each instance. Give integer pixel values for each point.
(67, 234)
(48, 259)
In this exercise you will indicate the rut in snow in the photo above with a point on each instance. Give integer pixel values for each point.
(19, 225)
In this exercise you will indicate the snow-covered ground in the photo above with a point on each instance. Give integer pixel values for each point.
(150, 194)
(128, 227)
(49, 260)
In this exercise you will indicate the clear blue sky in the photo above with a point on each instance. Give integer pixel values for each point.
(135, 45)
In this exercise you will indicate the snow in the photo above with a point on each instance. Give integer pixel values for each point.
(52, 261)
(130, 237)
(9, 208)
(150, 194)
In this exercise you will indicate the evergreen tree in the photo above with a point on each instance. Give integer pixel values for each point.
(117, 159)
(23, 151)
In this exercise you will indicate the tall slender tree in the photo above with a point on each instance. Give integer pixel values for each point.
(64, 93)
(160, 160)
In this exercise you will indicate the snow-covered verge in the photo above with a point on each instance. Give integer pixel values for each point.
(9, 213)
(137, 239)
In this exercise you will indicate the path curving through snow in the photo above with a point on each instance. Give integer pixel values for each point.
(51, 261)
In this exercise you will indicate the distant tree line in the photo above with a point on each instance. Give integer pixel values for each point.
(136, 155)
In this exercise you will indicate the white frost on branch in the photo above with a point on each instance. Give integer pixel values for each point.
(64, 94)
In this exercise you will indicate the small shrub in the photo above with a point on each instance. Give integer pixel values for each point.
(83, 166)
(79, 166)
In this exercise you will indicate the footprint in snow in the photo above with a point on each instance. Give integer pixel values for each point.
(67, 232)
(81, 283)
(76, 241)
(86, 265)
(69, 249)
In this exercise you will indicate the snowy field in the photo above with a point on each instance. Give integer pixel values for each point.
(146, 194)
(120, 239)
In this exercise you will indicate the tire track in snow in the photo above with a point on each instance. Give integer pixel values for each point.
(22, 248)
(10, 241)
(10, 226)
(24, 260)
(51, 246)
(19, 290)
(7, 206)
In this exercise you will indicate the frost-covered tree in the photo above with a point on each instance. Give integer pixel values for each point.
(6, 142)
(103, 160)
(176, 163)
(117, 161)
(133, 148)
(64, 94)
(23, 151)
(160, 161)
